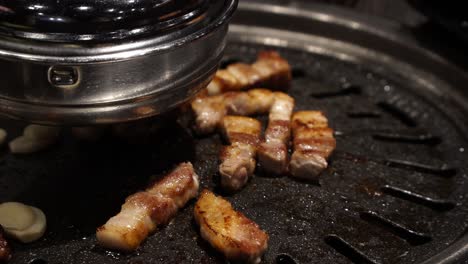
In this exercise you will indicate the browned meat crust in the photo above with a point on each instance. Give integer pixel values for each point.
(238, 159)
(313, 144)
(142, 212)
(209, 111)
(269, 71)
(273, 152)
(229, 231)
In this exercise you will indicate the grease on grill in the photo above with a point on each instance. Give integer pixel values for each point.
(435, 204)
(411, 236)
(347, 250)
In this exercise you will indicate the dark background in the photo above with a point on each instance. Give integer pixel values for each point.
(434, 27)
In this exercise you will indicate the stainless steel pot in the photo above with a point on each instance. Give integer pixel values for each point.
(78, 74)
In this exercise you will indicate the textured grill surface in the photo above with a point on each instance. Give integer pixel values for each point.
(394, 192)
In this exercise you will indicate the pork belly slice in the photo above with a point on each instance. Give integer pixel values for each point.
(142, 212)
(209, 111)
(313, 144)
(229, 231)
(238, 159)
(270, 70)
(273, 151)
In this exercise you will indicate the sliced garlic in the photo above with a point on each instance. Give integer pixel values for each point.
(16, 216)
(22, 222)
(35, 138)
(24, 145)
(41, 132)
(3, 136)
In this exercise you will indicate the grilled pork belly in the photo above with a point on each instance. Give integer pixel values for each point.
(142, 212)
(273, 151)
(238, 159)
(269, 71)
(5, 250)
(313, 144)
(228, 231)
(209, 111)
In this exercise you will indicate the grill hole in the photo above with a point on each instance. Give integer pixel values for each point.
(284, 259)
(298, 73)
(346, 90)
(435, 204)
(38, 261)
(398, 113)
(412, 237)
(408, 138)
(364, 115)
(347, 250)
(226, 62)
(443, 171)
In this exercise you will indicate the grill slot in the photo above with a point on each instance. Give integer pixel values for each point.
(285, 259)
(38, 261)
(435, 204)
(408, 138)
(439, 170)
(398, 113)
(344, 91)
(298, 73)
(347, 250)
(363, 114)
(411, 236)
(443, 170)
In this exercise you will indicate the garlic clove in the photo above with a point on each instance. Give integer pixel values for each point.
(24, 145)
(22, 222)
(41, 132)
(33, 232)
(16, 216)
(3, 136)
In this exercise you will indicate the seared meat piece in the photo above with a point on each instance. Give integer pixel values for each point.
(255, 101)
(236, 236)
(5, 250)
(209, 111)
(238, 159)
(144, 211)
(313, 144)
(273, 152)
(269, 71)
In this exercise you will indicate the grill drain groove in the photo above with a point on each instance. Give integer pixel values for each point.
(347, 250)
(427, 139)
(440, 170)
(398, 113)
(411, 236)
(344, 91)
(435, 204)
